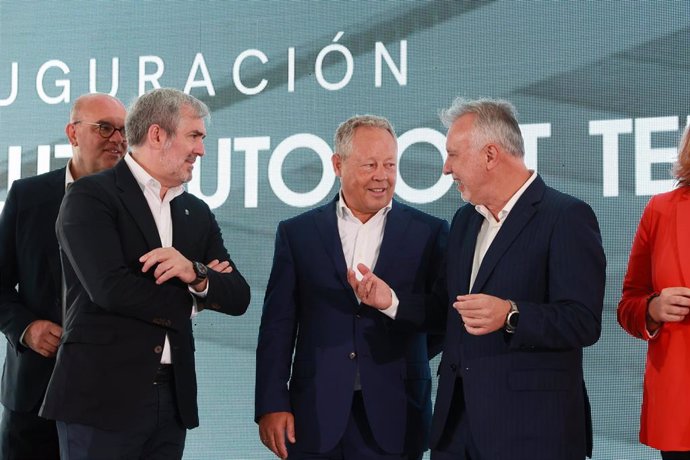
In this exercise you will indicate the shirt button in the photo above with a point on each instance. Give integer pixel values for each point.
(158, 349)
(353, 355)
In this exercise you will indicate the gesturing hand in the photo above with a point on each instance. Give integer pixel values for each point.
(371, 289)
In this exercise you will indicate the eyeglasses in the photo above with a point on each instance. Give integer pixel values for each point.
(105, 130)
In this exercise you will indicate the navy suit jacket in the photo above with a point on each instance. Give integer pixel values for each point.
(117, 316)
(524, 393)
(310, 308)
(30, 283)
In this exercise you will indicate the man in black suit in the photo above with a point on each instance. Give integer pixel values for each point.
(136, 252)
(31, 278)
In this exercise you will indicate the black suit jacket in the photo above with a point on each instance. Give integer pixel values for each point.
(118, 317)
(524, 393)
(30, 283)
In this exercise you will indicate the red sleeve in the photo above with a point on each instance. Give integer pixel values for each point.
(637, 285)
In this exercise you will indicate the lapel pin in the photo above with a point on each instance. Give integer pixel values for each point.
(186, 212)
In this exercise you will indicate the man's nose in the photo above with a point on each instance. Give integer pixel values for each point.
(446, 168)
(117, 136)
(381, 174)
(200, 149)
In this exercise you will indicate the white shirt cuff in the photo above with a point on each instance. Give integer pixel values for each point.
(195, 294)
(392, 311)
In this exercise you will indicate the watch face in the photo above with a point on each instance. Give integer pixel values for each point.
(200, 270)
(513, 319)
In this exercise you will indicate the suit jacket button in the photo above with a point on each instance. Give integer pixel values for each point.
(158, 349)
(352, 355)
(453, 367)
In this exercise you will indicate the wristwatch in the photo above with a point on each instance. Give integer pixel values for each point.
(200, 270)
(512, 318)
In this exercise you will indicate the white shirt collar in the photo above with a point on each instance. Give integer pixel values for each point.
(145, 180)
(68, 174)
(503, 213)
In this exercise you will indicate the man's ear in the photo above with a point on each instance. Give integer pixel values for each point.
(71, 132)
(337, 161)
(156, 136)
(492, 156)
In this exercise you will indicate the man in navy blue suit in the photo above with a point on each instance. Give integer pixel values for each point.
(525, 280)
(31, 277)
(346, 338)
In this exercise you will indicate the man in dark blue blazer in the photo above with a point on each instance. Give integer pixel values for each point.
(342, 367)
(525, 278)
(140, 256)
(31, 278)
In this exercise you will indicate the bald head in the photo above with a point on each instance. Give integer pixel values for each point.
(88, 101)
(96, 133)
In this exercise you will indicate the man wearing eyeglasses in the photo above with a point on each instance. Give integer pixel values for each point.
(31, 278)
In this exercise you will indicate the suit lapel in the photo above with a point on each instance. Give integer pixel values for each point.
(56, 189)
(394, 231)
(683, 234)
(327, 226)
(180, 218)
(467, 244)
(518, 217)
(134, 201)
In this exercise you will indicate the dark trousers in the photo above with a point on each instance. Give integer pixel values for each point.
(155, 432)
(358, 442)
(26, 436)
(675, 455)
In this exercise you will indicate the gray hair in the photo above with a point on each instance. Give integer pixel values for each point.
(345, 132)
(162, 107)
(495, 121)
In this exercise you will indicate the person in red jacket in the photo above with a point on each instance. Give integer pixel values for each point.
(654, 307)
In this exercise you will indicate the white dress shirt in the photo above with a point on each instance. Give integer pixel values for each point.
(491, 226)
(361, 242)
(160, 209)
(68, 174)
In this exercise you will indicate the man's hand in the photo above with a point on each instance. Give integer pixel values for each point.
(672, 305)
(220, 267)
(371, 289)
(216, 265)
(273, 428)
(170, 264)
(43, 337)
(481, 313)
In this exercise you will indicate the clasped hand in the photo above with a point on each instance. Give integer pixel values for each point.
(170, 263)
(43, 337)
(672, 305)
(482, 313)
